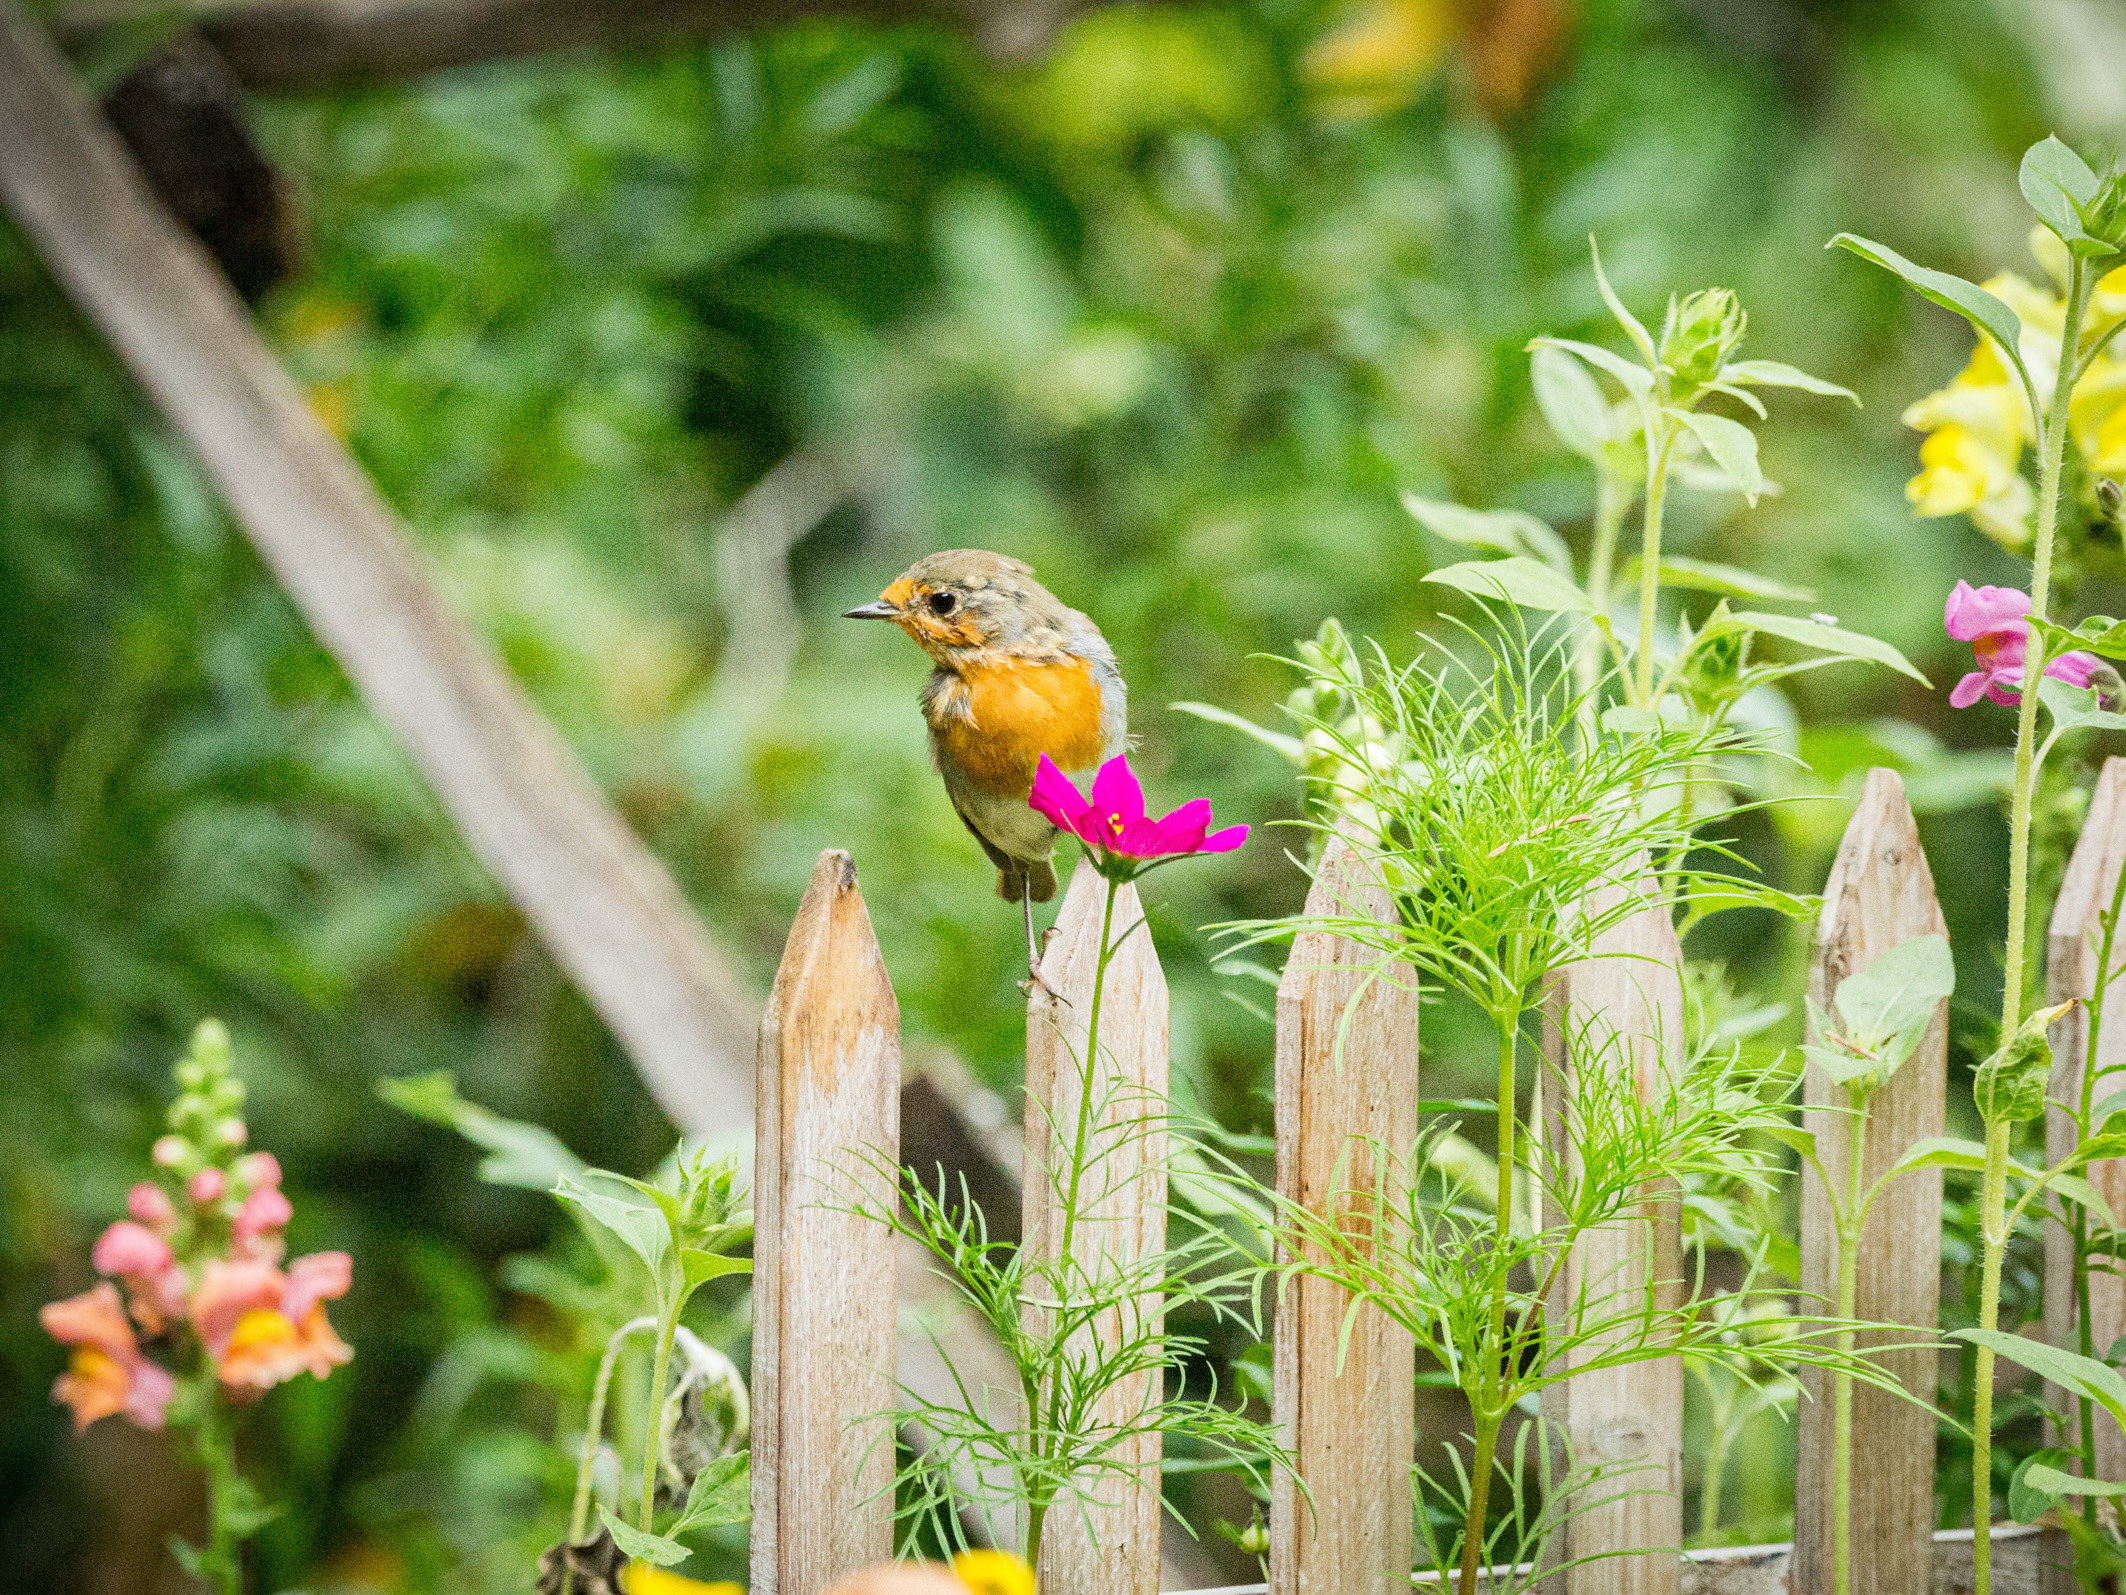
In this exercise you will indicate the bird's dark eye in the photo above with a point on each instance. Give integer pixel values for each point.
(944, 603)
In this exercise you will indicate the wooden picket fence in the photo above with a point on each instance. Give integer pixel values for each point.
(824, 1345)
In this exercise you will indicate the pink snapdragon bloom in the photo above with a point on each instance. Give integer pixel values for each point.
(1112, 823)
(1993, 621)
(151, 1205)
(262, 1326)
(143, 1262)
(106, 1374)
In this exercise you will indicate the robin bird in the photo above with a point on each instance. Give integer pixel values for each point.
(1017, 674)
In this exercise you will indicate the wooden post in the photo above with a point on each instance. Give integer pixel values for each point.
(1347, 1076)
(1880, 893)
(823, 1296)
(2076, 935)
(1629, 994)
(1106, 1541)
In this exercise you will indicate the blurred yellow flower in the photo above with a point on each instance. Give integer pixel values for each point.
(643, 1579)
(993, 1573)
(1378, 60)
(1970, 463)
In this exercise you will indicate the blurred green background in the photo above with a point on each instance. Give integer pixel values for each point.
(1173, 311)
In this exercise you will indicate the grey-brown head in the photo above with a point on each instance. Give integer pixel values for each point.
(966, 599)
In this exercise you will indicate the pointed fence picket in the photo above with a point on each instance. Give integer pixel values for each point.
(2085, 897)
(1106, 1543)
(1880, 893)
(1622, 1004)
(1347, 1083)
(824, 1319)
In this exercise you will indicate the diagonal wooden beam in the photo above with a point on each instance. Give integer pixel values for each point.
(599, 899)
(296, 45)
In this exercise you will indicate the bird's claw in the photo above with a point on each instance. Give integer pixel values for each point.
(1033, 983)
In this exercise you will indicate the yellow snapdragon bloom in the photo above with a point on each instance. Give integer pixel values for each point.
(1970, 463)
(993, 1573)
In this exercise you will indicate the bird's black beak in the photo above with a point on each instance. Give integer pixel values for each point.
(881, 610)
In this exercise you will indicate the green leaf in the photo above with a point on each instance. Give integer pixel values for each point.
(639, 1226)
(659, 1550)
(1793, 1135)
(1287, 747)
(520, 1154)
(699, 1267)
(1888, 1005)
(1986, 313)
(1625, 319)
(1571, 401)
(1703, 576)
(2057, 183)
(1526, 582)
(2075, 708)
(2028, 1498)
(1628, 720)
(2056, 1483)
(1815, 634)
(243, 1510)
(722, 1493)
(2114, 1103)
(1719, 895)
(2080, 1192)
(1846, 1068)
(1508, 531)
(2009, 1087)
(1777, 374)
(2085, 1376)
(2100, 634)
(1941, 1152)
(1733, 448)
(1636, 379)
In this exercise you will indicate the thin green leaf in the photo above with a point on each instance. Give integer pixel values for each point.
(1526, 582)
(699, 1267)
(1732, 446)
(2053, 1482)
(1625, 319)
(2028, 1499)
(1988, 314)
(2080, 1192)
(2082, 1375)
(1509, 531)
(1704, 576)
(1288, 747)
(2057, 183)
(658, 1549)
(1777, 374)
(1940, 1152)
(1636, 379)
(1571, 401)
(520, 1154)
(1815, 634)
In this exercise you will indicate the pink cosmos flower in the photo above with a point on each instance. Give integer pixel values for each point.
(1992, 620)
(106, 1374)
(1112, 823)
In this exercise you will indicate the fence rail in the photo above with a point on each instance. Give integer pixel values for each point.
(1346, 1078)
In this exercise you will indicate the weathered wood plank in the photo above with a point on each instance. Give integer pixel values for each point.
(824, 1317)
(1880, 892)
(1630, 994)
(599, 900)
(2086, 889)
(1347, 1079)
(1107, 1542)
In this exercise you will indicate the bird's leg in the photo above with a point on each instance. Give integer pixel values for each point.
(1035, 946)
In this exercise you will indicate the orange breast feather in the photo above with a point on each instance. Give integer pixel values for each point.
(1022, 710)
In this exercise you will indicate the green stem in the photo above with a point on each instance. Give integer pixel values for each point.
(1487, 1440)
(1851, 1222)
(216, 1442)
(1650, 561)
(2091, 1040)
(579, 1517)
(1611, 500)
(667, 1331)
(1723, 1426)
(1992, 1217)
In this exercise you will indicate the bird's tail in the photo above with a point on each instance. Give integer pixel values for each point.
(1014, 879)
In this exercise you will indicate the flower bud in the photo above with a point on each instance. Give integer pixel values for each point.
(151, 1205)
(207, 1186)
(1702, 332)
(171, 1152)
(232, 1132)
(210, 1042)
(258, 1170)
(2110, 498)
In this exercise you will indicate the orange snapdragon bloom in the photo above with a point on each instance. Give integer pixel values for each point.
(106, 1374)
(263, 1327)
